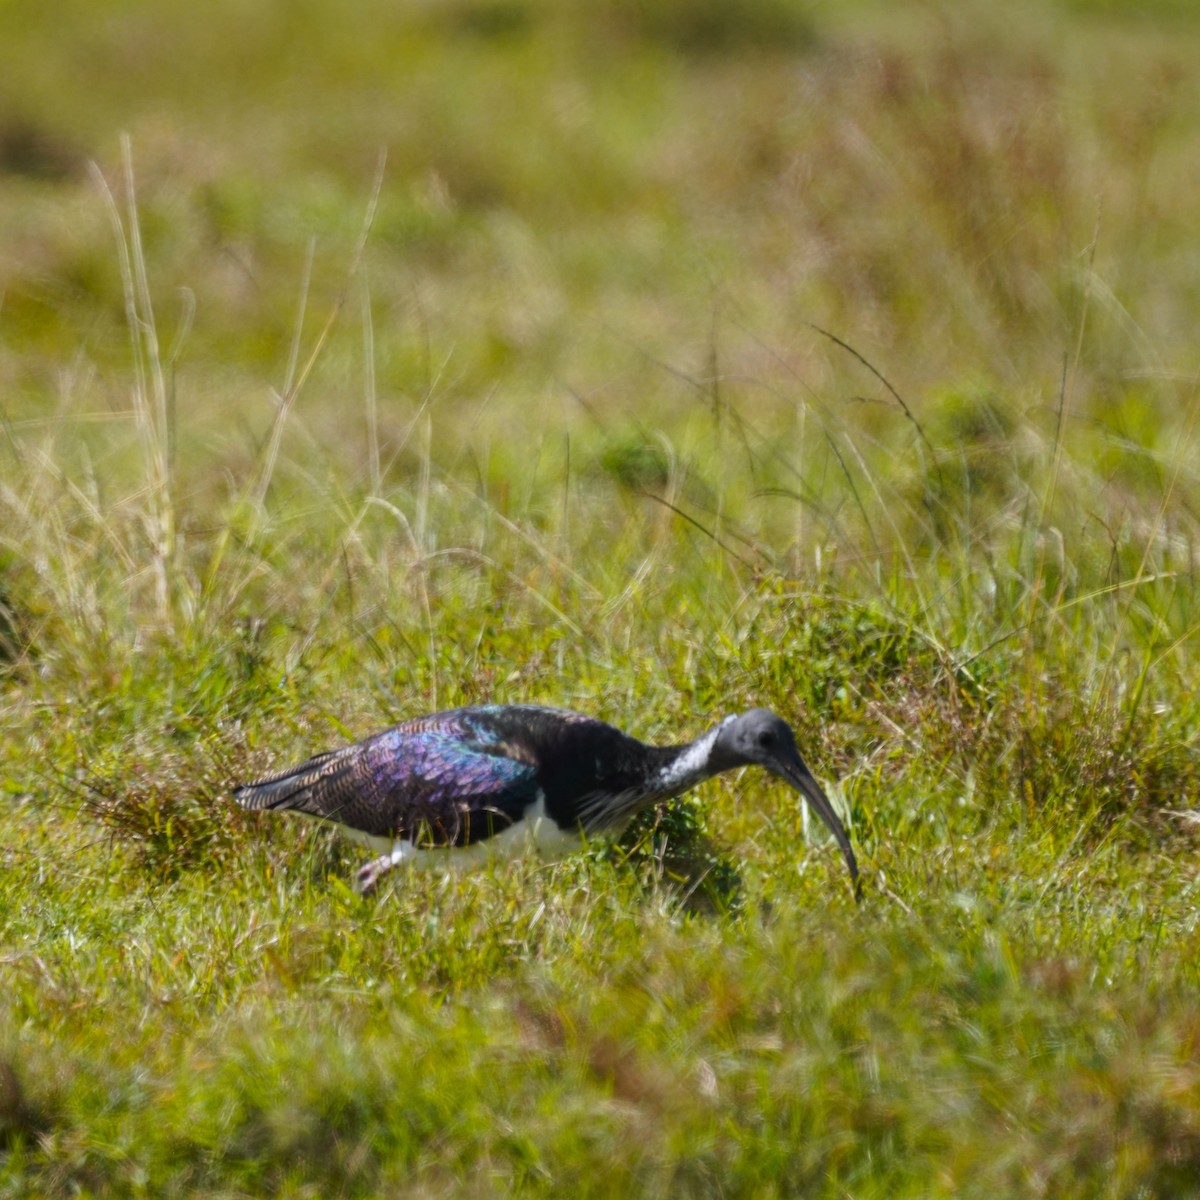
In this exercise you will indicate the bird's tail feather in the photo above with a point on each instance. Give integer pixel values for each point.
(302, 787)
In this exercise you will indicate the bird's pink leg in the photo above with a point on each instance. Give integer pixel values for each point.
(369, 875)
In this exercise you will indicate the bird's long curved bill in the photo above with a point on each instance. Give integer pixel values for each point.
(801, 779)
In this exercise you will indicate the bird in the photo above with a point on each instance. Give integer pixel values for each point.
(470, 784)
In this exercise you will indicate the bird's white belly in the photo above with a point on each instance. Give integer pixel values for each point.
(534, 831)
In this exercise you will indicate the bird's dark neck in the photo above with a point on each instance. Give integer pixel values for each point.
(592, 774)
(678, 768)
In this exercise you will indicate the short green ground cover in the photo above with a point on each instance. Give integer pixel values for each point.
(840, 360)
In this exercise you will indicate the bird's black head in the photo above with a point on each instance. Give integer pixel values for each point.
(757, 737)
(760, 738)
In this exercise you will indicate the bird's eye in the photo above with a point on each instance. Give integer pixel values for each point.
(765, 738)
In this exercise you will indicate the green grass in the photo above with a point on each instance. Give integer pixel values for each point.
(839, 359)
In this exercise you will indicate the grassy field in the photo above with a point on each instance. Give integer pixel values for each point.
(658, 358)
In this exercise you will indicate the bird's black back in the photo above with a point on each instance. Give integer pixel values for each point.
(460, 776)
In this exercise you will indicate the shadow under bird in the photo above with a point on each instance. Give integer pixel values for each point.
(461, 786)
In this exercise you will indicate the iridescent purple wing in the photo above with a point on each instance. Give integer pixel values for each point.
(421, 781)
